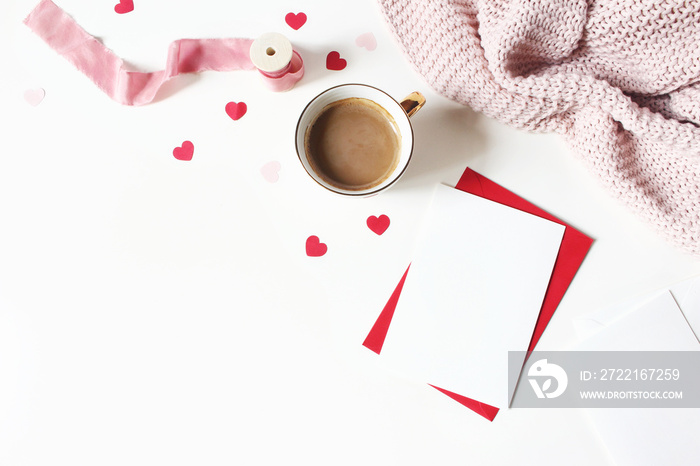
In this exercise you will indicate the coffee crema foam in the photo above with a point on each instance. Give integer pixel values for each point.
(353, 144)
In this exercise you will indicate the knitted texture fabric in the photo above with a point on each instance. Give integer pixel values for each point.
(618, 79)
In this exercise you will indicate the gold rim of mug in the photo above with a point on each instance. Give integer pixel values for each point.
(313, 175)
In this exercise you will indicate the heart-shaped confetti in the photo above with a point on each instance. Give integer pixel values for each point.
(124, 6)
(378, 224)
(34, 96)
(270, 171)
(334, 62)
(236, 110)
(295, 21)
(366, 40)
(314, 247)
(184, 152)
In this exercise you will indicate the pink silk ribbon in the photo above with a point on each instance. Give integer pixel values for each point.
(109, 72)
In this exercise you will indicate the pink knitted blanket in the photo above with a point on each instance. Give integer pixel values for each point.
(619, 79)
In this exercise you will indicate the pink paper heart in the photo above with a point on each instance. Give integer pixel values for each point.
(378, 224)
(184, 152)
(236, 110)
(314, 247)
(124, 6)
(34, 96)
(295, 21)
(334, 62)
(270, 171)
(366, 40)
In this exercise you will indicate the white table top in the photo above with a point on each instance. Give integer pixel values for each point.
(156, 311)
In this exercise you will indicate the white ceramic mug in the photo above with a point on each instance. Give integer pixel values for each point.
(399, 111)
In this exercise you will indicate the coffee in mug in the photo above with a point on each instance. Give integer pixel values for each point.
(353, 144)
(356, 140)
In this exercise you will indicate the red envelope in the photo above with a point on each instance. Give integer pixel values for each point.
(573, 250)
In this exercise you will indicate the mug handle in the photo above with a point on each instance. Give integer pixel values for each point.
(412, 103)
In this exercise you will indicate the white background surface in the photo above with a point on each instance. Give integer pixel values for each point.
(154, 311)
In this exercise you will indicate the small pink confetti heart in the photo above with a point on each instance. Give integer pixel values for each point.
(366, 40)
(236, 110)
(270, 171)
(295, 21)
(124, 6)
(334, 62)
(184, 152)
(314, 247)
(378, 224)
(34, 96)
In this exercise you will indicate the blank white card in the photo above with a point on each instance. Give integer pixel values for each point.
(474, 290)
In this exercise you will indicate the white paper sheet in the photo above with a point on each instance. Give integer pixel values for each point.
(686, 295)
(474, 290)
(639, 437)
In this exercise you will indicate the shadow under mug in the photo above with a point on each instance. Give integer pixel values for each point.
(399, 111)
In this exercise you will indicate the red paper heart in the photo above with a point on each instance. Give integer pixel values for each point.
(124, 6)
(295, 21)
(334, 62)
(378, 224)
(314, 247)
(185, 151)
(236, 110)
